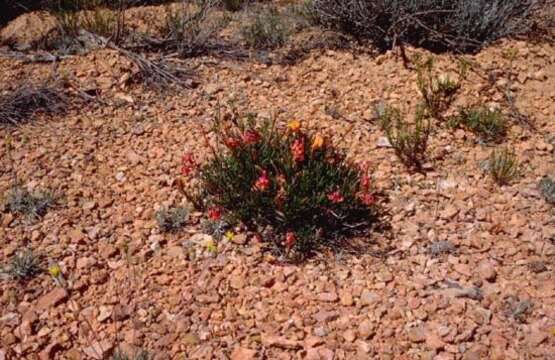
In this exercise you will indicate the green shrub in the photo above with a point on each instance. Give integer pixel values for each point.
(32, 205)
(171, 219)
(460, 25)
(409, 140)
(23, 265)
(547, 189)
(437, 92)
(502, 165)
(489, 125)
(287, 183)
(267, 30)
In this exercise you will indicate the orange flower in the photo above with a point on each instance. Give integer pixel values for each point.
(263, 182)
(290, 239)
(336, 197)
(317, 142)
(297, 149)
(294, 126)
(251, 137)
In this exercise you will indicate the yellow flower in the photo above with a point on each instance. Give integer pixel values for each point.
(294, 125)
(553, 331)
(317, 142)
(211, 247)
(229, 235)
(55, 270)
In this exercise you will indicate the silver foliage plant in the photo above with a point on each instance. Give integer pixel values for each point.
(459, 25)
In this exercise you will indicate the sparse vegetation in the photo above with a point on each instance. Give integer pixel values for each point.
(172, 219)
(518, 309)
(139, 355)
(459, 25)
(190, 29)
(23, 266)
(199, 257)
(502, 165)
(30, 204)
(547, 188)
(437, 92)
(100, 21)
(489, 125)
(409, 140)
(267, 30)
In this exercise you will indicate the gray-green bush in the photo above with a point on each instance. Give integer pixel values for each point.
(461, 25)
(547, 188)
(23, 265)
(31, 204)
(267, 30)
(171, 219)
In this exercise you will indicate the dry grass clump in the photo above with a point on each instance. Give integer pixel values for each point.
(22, 104)
(33, 205)
(190, 28)
(502, 165)
(23, 265)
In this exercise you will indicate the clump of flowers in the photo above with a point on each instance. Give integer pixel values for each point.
(284, 179)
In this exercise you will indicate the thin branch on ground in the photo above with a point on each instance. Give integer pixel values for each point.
(159, 72)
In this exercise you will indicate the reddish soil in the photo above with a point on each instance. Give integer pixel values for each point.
(115, 164)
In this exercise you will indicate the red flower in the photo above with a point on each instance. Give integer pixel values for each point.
(365, 182)
(263, 182)
(251, 137)
(188, 164)
(336, 197)
(367, 199)
(257, 238)
(214, 213)
(297, 149)
(290, 239)
(364, 166)
(232, 143)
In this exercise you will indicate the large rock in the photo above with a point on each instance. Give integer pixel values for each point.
(53, 298)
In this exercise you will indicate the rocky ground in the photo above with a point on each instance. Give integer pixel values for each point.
(465, 269)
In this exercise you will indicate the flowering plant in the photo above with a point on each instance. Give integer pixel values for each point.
(287, 180)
